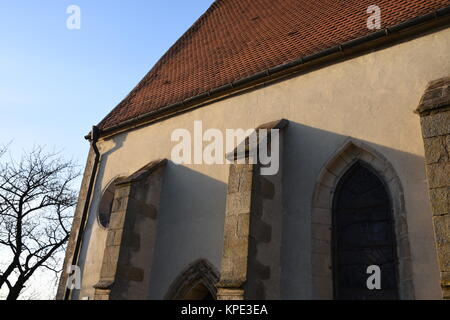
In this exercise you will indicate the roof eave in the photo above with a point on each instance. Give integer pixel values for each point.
(409, 28)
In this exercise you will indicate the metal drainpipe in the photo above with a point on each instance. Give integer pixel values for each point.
(93, 138)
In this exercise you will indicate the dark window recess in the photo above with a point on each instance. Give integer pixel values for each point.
(363, 235)
(106, 203)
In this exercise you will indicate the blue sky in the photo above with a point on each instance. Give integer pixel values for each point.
(55, 83)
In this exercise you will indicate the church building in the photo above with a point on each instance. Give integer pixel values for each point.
(350, 99)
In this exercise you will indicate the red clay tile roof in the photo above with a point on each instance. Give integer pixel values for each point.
(234, 39)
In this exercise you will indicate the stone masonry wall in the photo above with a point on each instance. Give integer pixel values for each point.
(128, 255)
(434, 110)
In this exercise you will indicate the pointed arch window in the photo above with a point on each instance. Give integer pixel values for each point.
(359, 177)
(363, 235)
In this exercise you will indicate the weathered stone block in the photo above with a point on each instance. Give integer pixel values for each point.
(233, 179)
(118, 204)
(322, 263)
(230, 294)
(238, 203)
(432, 94)
(436, 98)
(436, 124)
(404, 265)
(234, 250)
(434, 110)
(442, 234)
(133, 241)
(439, 174)
(337, 166)
(122, 191)
(401, 226)
(226, 272)
(446, 293)
(243, 227)
(117, 220)
(440, 201)
(150, 211)
(261, 271)
(437, 149)
(110, 259)
(323, 288)
(351, 153)
(101, 297)
(321, 246)
(445, 81)
(262, 232)
(117, 237)
(444, 258)
(322, 197)
(403, 249)
(110, 238)
(445, 277)
(407, 289)
(134, 274)
(236, 247)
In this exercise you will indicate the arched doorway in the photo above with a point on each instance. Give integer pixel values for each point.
(196, 282)
(363, 235)
(198, 292)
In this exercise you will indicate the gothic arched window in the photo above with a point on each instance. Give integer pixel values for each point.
(363, 236)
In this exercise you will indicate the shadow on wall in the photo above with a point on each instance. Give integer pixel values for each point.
(190, 225)
(190, 221)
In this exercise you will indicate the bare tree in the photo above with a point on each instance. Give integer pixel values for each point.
(36, 201)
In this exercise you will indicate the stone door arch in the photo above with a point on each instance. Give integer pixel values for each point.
(196, 282)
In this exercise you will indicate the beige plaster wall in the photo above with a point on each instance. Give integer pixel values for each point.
(370, 98)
